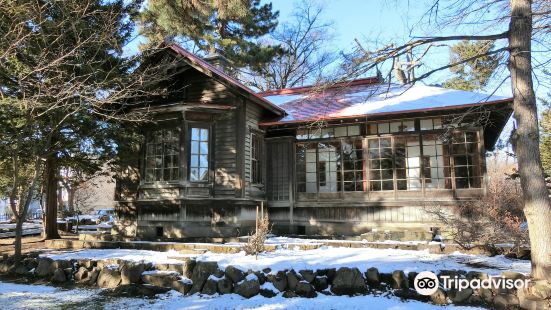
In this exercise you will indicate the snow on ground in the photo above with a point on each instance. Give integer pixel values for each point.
(386, 260)
(124, 254)
(24, 296)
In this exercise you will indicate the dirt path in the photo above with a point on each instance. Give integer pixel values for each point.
(30, 243)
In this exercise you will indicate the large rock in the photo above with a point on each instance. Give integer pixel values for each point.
(506, 301)
(59, 276)
(109, 278)
(247, 288)
(20, 269)
(93, 276)
(201, 272)
(160, 278)
(210, 287)
(320, 283)
(305, 289)
(185, 268)
(225, 286)
(292, 280)
(308, 275)
(86, 263)
(460, 296)
(44, 267)
(234, 274)
(62, 264)
(279, 280)
(30, 263)
(131, 272)
(182, 285)
(399, 280)
(329, 273)
(439, 297)
(372, 276)
(348, 281)
(81, 275)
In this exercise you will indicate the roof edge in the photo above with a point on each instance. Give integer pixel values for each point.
(304, 89)
(463, 106)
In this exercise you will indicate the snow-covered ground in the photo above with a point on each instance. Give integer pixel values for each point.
(386, 260)
(23, 296)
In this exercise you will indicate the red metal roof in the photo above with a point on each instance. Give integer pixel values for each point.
(368, 98)
(198, 61)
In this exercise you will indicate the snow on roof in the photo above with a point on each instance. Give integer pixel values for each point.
(370, 99)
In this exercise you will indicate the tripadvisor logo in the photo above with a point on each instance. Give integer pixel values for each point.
(426, 283)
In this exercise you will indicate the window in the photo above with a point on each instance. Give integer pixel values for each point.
(317, 165)
(256, 158)
(436, 162)
(199, 155)
(391, 127)
(464, 150)
(328, 132)
(431, 123)
(352, 165)
(380, 164)
(162, 156)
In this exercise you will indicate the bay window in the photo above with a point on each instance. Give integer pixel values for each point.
(162, 156)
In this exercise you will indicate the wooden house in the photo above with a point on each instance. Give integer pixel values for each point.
(344, 159)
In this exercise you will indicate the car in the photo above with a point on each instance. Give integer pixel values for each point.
(105, 215)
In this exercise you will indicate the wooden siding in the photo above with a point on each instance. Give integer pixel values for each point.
(225, 148)
(201, 88)
(253, 114)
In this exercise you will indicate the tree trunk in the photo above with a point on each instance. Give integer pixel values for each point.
(537, 205)
(18, 236)
(51, 199)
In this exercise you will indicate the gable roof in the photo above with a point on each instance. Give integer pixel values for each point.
(222, 77)
(369, 97)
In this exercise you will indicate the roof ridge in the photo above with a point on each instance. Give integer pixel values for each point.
(304, 89)
(205, 65)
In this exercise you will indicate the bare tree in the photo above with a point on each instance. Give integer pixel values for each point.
(306, 51)
(520, 23)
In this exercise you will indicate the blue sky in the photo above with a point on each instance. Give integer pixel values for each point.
(381, 21)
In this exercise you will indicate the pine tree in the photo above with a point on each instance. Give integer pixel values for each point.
(472, 74)
(231, 27)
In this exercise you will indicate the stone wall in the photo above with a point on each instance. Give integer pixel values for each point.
(124, 278)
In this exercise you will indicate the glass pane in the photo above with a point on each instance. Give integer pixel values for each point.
(437, 123)
(388, 185)
(204, 147)
(195, 134)
(204, 134)
(204, 174)
(194, 174)
(204, 161)
(353, 130)
(194, 162)
(408, 126)
(426, 124)
(395, 126)
(383, 128)
(340, 132)
(194, 147)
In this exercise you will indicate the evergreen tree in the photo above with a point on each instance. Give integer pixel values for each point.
(63, 86)
(231, 27)
(474, 71)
